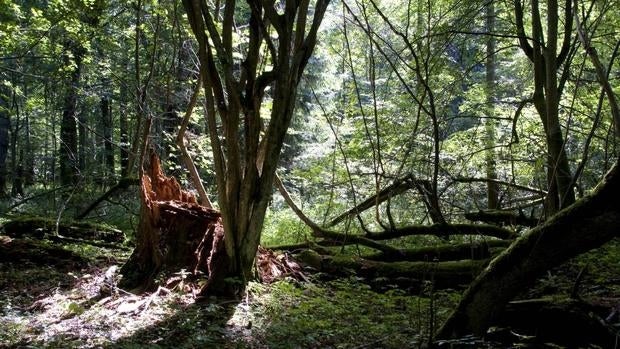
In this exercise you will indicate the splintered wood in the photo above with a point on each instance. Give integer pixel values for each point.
(175, 232)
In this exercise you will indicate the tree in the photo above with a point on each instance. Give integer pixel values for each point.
(5, 124)
(69, 170)
(491, 171)
(587, 224)
(246, 153)
(547, 62)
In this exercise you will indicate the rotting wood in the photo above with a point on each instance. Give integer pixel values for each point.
(175, 232)
(41, 227)
(502, 217)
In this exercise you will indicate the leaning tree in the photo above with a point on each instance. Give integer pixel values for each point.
(582, 226)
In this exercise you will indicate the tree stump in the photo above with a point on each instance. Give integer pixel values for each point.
(174, 233)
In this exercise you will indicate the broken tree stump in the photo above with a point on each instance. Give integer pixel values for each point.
(174, 233)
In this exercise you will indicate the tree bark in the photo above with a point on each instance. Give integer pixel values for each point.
(106, 118)
(68, 127)
(585, 225)
(5, 125)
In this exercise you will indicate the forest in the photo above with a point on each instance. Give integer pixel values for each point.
(309, 174)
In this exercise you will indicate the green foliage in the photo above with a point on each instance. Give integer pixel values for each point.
(283, 227)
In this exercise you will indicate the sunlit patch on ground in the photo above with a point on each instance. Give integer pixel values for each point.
(68, 307)
(54, 308)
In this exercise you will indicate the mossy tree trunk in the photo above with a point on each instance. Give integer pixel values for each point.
(585, 225)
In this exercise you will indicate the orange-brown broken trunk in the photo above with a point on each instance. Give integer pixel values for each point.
(175, 232)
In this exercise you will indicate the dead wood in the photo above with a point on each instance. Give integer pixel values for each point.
(581, 227)
(272, 266)
(187, 159)
(563, 321)
(41, 227)
(475, 250)
(538, 191)
(450, 274)
(445, 230)
(398, 187)
(175, 232)
(32, 251)
(500, 217)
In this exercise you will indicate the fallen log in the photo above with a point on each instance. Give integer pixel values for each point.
(39, 253)
(500, 217)
(42, 227)
(476, 251)
(449, 274)
(581, 227)
(564, 321)
(445, 230)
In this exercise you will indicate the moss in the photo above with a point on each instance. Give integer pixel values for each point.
(34, 226)
(310, 258)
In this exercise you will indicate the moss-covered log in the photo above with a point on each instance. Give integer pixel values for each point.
(39, 253)
(503, 218)
(445, 230)
(476, 250)
(585, 225)
(40, 227)
(442, 274)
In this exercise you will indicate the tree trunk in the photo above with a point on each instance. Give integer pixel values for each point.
(124, 133)
(68, 127)
(106, 118)
(585, 225)
(491, 172)
(174, 232)
(547, 93)
(246, 154)
(5, 124)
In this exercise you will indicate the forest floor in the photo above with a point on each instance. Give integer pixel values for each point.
(52, 299)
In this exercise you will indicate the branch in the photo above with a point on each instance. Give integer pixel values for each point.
(123, 183)
(320, 232)
(600, 71)
(398, 187)
(444, 230)
(503, 217)
(189, 163)
(497, 181)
